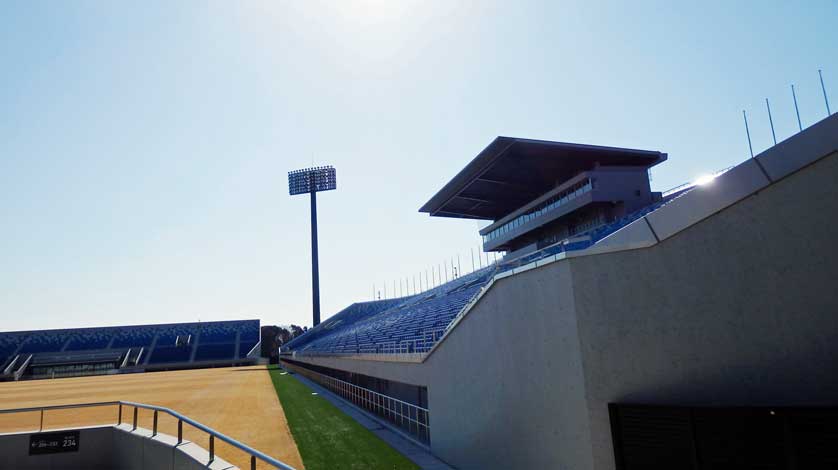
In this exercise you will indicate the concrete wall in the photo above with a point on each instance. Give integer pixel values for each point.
(506, 388)
(95, 452)
(110, 448)
(739, 309)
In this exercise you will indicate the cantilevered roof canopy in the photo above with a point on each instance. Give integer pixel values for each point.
(511, 172)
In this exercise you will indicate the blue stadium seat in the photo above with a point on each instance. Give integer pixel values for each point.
(8, 346)
(170, 354)
(410, 324)
(213, 340)
(43, 343)
(134, 337)
(89, 340)
(215, 351)
(218, 334)
(414, 324)
(246, 346)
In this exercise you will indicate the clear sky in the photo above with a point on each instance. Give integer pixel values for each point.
(144, 146)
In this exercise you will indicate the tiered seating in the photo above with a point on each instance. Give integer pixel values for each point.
(217, 341)
(135, 337)
(8, 345)
(246, 346)
(103, 355)
(43, 343)
(170, 335)
(95, 339)
(345, 318)
(249, 338)
(415, 324)
(170, 354)
(407, 325)
(215, 351)
(211, 341)
(219, 333)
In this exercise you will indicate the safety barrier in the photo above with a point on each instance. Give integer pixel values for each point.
(412, 419)
(213, 434)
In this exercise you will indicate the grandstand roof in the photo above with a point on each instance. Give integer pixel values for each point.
(512, 171)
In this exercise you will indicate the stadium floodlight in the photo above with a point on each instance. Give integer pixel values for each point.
(312, 181)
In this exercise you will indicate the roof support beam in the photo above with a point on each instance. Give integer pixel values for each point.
(489, 180)
(470, 198)
(460, 215)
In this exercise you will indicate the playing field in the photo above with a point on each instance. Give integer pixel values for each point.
(240, 402)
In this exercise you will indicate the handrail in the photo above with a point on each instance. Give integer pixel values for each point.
(257, 345)
(11, 365)
(59, 407)
(125, 361)
(254, 454)
(362, 388)
(384, 406)
(23, 367)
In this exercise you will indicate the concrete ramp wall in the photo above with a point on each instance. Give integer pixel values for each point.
(109, 448)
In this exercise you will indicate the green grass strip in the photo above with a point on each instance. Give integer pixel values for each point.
(326, 437)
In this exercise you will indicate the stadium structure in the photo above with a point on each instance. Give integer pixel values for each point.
(125, 349)
(624, 328)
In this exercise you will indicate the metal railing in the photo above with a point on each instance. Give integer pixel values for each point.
(22, 368)
(213, 434)
(11, 365)
(411, 419)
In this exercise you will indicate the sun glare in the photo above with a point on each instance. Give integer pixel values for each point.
(372, 11)
(704, 180)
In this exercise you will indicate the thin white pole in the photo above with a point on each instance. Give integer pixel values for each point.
(771, 121)
(748, 133)
(796, 110)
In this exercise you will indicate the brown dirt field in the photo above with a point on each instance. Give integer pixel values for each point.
(240, 402)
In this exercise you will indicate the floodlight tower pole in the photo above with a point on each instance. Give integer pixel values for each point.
(315, 265)
(310, 181)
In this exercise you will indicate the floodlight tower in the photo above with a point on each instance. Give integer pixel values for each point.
(312, 181)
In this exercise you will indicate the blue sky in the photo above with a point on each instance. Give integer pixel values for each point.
(144, 146)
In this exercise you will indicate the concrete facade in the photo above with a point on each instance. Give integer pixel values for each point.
(726, 298)
(740, 309)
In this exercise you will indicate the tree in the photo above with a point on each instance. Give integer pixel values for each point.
(284, 335)
(296, 331)
(270, 343)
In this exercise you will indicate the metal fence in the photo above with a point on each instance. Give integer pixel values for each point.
(135, 407)
(412, 419)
